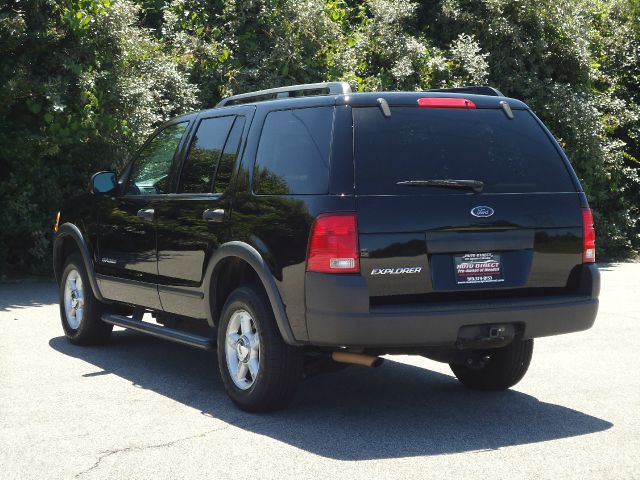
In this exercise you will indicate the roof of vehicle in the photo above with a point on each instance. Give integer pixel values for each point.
(339, 94)
(371, 99)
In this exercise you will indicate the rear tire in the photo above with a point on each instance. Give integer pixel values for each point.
(505, 368)
(259, 370)
(80, 311)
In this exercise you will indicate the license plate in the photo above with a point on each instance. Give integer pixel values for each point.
(478, 268)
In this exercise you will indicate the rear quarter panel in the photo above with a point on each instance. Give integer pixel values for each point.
(278, 226)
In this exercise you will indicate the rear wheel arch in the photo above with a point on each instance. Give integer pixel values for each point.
(236, 263)
(230, 273)
(70, 240)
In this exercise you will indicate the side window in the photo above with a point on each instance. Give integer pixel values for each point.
(293, 154)
(150, 173)
(228, 159)
(204, 154)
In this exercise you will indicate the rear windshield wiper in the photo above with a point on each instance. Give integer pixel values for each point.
(475, 185)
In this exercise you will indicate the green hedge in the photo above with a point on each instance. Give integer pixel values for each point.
(82, 82)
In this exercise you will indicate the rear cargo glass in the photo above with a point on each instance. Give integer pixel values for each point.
(509, 156)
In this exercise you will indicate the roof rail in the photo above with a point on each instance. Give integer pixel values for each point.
(474, 90)
(334, 88)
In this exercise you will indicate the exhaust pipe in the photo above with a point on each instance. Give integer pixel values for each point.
(357, 359)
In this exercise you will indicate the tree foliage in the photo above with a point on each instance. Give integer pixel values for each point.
(83, 82)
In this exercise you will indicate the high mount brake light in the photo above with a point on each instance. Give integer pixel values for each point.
(588, 237)
(445, 102)
(333, 247)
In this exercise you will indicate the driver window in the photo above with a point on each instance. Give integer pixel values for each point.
(150, 175)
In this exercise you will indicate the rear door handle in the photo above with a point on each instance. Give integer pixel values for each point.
(213, 216)
(146, 214)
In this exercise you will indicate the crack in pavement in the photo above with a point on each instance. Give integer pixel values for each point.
(110, 453)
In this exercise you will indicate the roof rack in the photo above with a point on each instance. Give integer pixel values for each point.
(331, 88)
(474, 90)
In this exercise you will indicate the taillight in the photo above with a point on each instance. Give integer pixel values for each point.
(445, 102)
(333, 247)
(588, 237)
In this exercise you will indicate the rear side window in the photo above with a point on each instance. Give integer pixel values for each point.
(204, 154)
(293, 154)
(431, 144)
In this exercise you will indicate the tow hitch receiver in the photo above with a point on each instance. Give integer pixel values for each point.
(479, 337)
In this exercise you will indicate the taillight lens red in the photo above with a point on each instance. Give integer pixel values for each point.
(589, 237)
(445, 102)
(333, 247)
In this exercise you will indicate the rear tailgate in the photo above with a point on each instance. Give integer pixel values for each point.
(422, 243)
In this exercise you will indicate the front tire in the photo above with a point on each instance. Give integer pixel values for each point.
(80, 311)
(506, 367)
(259, 370)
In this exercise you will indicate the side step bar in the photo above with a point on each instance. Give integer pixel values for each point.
(171, 334)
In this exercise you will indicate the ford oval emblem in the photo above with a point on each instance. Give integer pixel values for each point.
(482, 211)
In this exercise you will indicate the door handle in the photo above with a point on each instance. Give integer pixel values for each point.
(146, 214)
(213, 216)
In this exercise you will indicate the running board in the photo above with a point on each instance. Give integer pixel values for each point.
(171, 334)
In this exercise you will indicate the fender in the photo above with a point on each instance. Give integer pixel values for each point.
(250, 255)
(70, 230)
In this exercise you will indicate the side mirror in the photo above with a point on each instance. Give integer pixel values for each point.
(104, 182)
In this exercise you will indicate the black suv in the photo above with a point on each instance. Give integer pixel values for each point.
(296, 229)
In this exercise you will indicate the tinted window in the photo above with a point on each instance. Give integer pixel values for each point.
(293, 155)
(483, 144)
(150, 173)
(228, 159)
(204, 154)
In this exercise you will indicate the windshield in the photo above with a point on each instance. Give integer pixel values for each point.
(507, 156)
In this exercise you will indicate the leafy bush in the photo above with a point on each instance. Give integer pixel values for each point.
(81, 85)
(83, 82)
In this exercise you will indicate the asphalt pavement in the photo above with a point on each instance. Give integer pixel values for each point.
(143, 408)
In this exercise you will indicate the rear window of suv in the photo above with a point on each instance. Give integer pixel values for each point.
(509, 156)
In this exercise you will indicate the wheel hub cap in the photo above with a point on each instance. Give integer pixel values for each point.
(74, 299)
(242, 349)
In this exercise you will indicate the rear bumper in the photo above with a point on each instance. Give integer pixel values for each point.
(338, 314)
